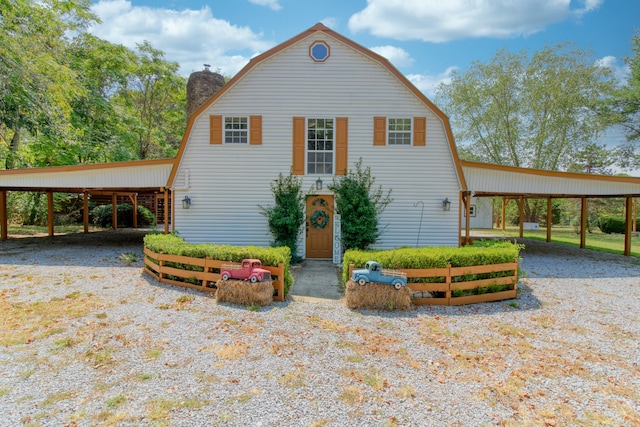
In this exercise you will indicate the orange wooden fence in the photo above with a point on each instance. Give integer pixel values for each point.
(207, 277)
(448, 286)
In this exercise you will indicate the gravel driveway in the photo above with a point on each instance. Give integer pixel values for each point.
(86, 339)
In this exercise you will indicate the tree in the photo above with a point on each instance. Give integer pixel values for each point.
(36, 84)
(156, 93)
(522, 111)
(624, 109)
(537, 111)
(359, 205)
(286, 217)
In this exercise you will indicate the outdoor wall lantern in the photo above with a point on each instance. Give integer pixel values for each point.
(446, 204)
(318, 184)
(186, 202)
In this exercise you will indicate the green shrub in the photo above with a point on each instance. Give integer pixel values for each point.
(613, 224)
(482, 253)
(359, 206)
(286, 218)
(102, 215)
(174, 245)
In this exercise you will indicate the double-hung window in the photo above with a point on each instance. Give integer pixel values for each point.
(236, 130)
(320, 146)
(399, 131)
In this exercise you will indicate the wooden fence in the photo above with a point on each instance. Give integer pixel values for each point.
(155, 265)
(453, 283)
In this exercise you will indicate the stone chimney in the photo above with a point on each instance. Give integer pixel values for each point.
(201, 86)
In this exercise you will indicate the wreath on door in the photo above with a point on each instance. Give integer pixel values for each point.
(319, 219)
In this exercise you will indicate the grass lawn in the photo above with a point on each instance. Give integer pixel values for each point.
(613, 243)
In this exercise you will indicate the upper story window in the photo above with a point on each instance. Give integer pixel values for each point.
(319, 51)
(320, 146)
(236, 130)
(399, 131)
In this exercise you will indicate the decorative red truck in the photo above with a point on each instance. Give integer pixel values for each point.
(249, 269)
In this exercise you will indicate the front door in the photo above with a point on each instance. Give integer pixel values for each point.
(320, 226)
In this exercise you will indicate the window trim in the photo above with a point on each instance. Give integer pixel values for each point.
(246, 131)
(306, 146)
(408, 132)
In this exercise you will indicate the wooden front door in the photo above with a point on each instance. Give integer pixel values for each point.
(320, 226)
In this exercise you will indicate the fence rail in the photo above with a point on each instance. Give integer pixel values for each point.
(155, 265)
(453, 282)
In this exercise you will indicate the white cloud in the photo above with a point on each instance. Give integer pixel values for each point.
(330, 22)
(427, 84)
(189, 37)
(273, 4)
(441, 21)
(620, 71)
(397, 56)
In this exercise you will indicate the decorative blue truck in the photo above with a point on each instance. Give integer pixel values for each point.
(373, 272)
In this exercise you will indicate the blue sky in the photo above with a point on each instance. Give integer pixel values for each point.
(425, 39)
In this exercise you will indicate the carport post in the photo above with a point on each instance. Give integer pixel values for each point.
(135, 210)
(504, 211)
(114, 211)
(3, 215)
(521, 231)
(85, 211)
(549, 218)
(628, 226)
(583, 223)
(50, 212)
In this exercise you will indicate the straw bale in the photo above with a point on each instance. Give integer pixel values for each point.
(377, 296)
(243, 292)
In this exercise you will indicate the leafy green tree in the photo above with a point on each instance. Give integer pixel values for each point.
(36, 84)
(535, 111)
(359, 205)
(156, 92)
(286, 217)
(624, 109)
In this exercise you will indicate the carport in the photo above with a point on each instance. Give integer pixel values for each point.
(130, 179)
(511, 183)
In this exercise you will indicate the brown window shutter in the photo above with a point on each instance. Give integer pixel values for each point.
(255, 127)
(298, 146)
(342, 142)
(379, 131)
(215, 129)
(419, 131)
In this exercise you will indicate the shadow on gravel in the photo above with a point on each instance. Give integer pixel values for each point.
(95, 249)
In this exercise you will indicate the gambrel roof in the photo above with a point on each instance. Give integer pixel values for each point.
(320, 28)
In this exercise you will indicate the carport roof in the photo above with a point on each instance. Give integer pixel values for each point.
(132, 176)
(485, 180)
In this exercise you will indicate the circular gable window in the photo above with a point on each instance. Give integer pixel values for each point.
(319, 51)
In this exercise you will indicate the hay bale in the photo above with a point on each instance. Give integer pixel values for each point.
(243, 292)
(377, 296)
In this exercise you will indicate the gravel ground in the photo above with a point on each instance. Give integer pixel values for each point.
(86, 339)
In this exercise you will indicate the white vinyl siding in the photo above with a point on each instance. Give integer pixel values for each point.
(229, 184)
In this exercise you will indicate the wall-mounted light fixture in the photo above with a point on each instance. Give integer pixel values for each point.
(186, 202)
(318, 184)
(446, 204)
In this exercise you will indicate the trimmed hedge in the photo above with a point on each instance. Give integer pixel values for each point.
(482, 252)
(174, 245)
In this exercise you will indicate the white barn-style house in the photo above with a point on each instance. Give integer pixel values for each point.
(315, 105)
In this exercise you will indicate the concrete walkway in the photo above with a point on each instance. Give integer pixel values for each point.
(316, 279)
